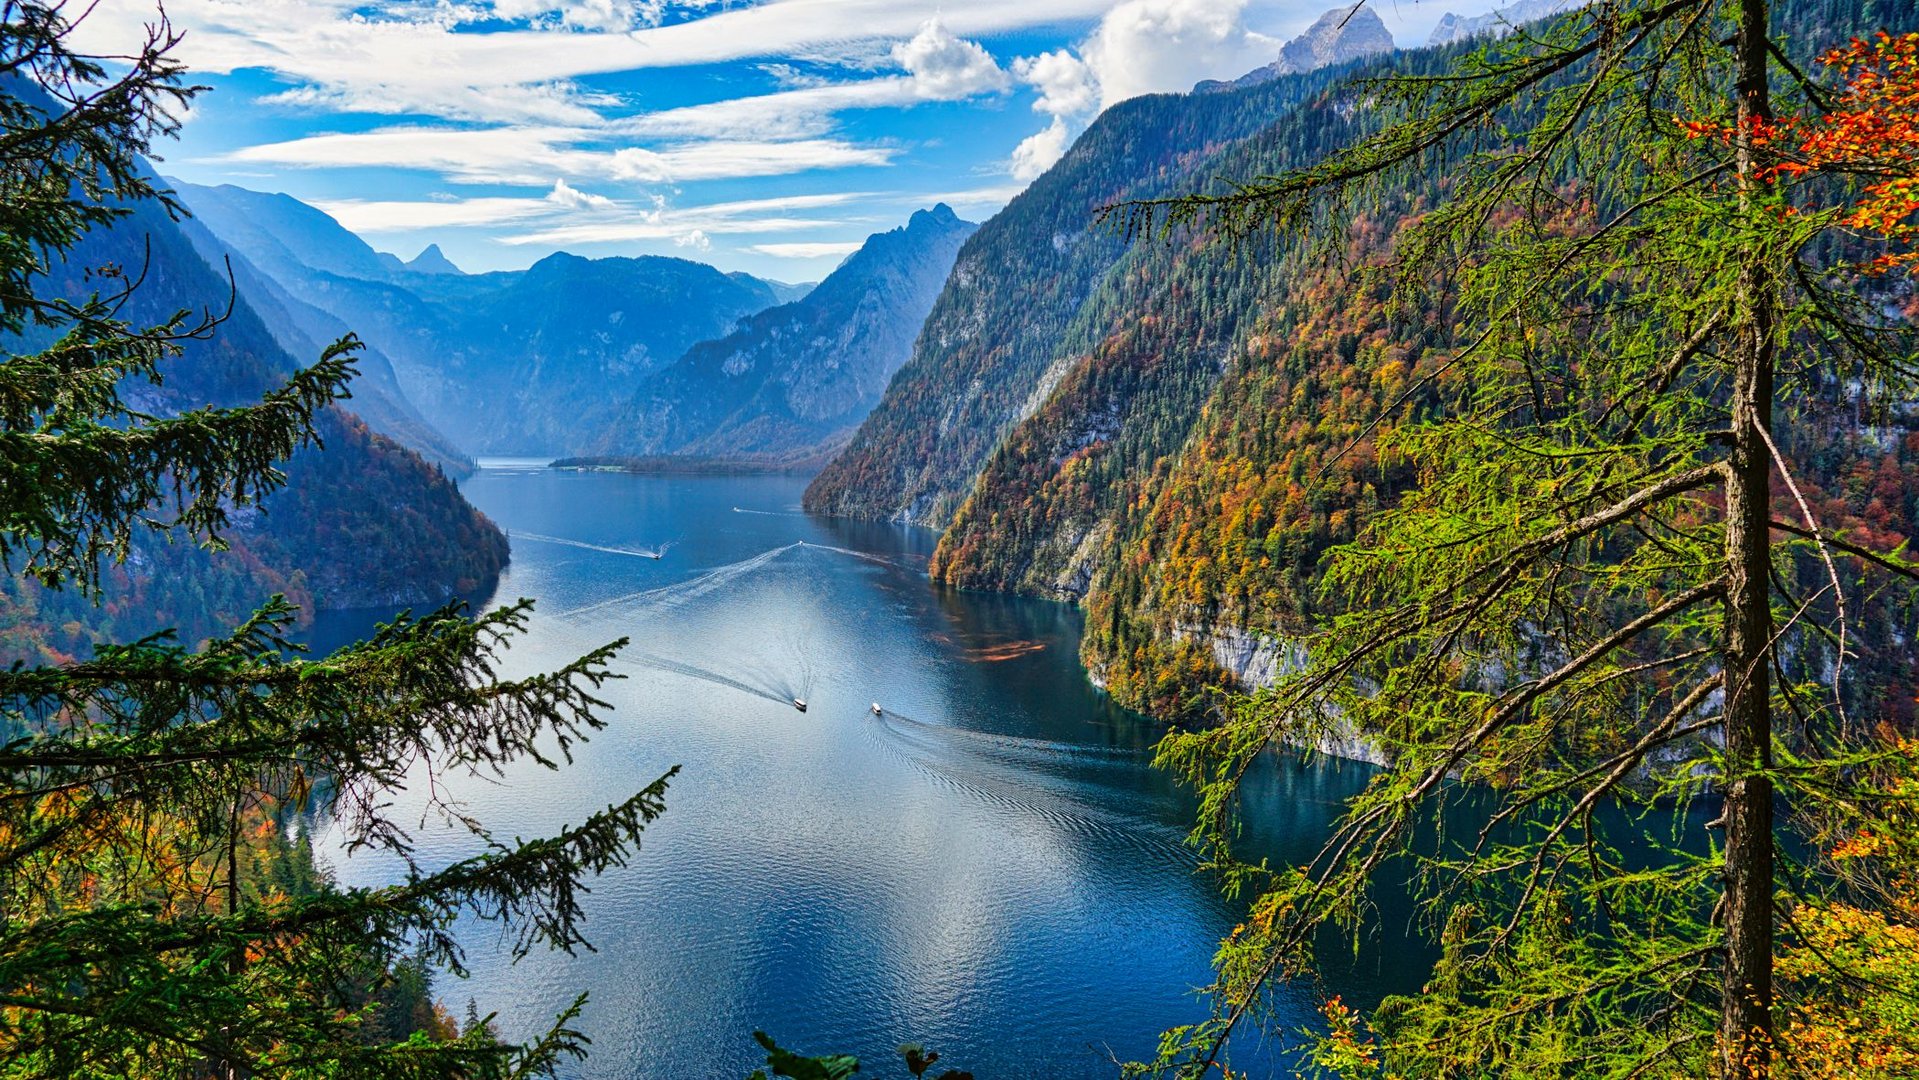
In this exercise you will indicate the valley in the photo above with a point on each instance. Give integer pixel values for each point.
(1364, 543)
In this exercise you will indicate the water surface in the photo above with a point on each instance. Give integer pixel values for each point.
(991, 867)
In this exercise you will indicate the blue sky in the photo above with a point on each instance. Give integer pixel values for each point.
(768, 136)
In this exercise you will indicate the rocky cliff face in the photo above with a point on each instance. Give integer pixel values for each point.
(1339, 36)
(1453, 28)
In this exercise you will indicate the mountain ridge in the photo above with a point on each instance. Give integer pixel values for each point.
(1340, 35)
(790, 383)
(500, 362)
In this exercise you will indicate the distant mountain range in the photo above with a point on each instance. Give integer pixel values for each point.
(1452, 28)
(792, 382)
(1339, 36)
(499, 362)
(571, 356)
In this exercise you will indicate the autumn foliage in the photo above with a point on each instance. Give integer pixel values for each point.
(1868, 130)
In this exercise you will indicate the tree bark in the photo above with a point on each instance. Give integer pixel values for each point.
(1745, 1024)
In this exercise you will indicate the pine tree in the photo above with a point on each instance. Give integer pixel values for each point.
(144, 792)
(1610, 586)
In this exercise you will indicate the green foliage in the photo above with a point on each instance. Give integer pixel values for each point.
(1556, 596)
(1033, 291)
(158, 919)
(918, 1059)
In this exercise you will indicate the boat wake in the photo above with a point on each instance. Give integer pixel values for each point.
(668, 596)
(1008, 773)
(635, 658)
(867, 555)
(631, 657)
(638, 553)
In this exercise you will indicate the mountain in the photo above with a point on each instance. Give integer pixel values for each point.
(504, 362)
(432, 261)
(1339, 36)
(787, 293)
(1030, 297)
(361, 522)
(279, 232)
(795, 380)
(303, 331)
(1153, 431)
(1452, 28)
(522, 365)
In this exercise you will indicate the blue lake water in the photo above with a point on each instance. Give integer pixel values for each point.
(991, 868)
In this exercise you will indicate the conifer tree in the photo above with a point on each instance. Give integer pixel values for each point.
(1612, 585)
(148, 930)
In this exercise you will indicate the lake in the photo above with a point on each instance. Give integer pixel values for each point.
(991, 867)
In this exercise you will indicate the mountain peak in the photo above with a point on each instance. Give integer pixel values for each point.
(938, 214)
(1339, 35)
(433, 261)
(1498, 23)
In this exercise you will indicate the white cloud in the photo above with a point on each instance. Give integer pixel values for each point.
(735, 159)
(566, 195)
(659, 221)
(1150, 46)
(421, 59)
(1138, 47)
(533, 155)
(559, 102)
(1037, 152)
(570, 215)
(788, 114)
(583, 14)
(971, 201)
(806, 250)
(1067, 87)
(368, 216)
(939, 67)
(946, 68)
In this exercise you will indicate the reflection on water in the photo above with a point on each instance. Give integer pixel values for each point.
(988, 865)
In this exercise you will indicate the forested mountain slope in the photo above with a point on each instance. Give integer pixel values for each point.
(362, 522)
(794, 381)
(1157, 431)
(500, 362)
(1025, 302)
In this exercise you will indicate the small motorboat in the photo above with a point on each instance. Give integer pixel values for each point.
(651, 554)
(877, 711)
(800, 704)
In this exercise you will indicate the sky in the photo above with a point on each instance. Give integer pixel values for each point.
(770, 136)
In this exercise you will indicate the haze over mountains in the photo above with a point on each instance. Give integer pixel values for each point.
(576, 355)
(361, 522)
(793, 381)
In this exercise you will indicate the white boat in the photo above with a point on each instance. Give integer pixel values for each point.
(800, 704)
(877, 711)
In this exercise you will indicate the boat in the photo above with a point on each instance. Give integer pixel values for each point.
(800, 704)
(877, 711)
(651, 554)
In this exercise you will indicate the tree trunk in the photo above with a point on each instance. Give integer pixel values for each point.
(1745, 1024)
